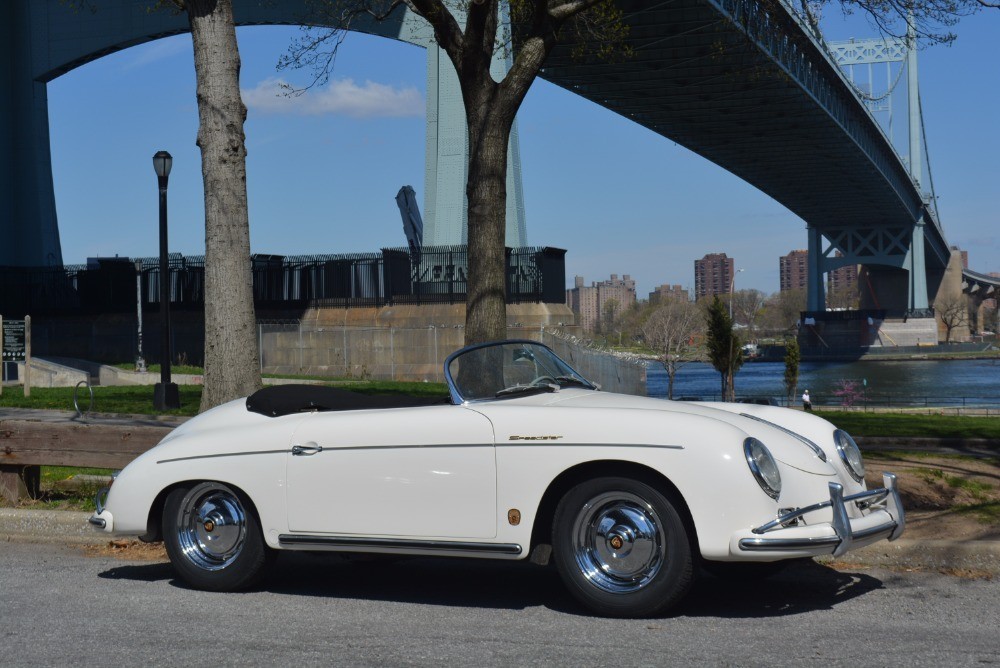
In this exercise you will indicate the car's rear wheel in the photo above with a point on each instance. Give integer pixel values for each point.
(213, 537)
(621, 547)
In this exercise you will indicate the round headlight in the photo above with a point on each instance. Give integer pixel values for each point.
(763, 466)
(850, 454)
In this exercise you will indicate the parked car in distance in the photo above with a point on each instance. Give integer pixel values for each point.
(525, 458)
(760, 401)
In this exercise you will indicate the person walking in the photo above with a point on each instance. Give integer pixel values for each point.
(806, 401)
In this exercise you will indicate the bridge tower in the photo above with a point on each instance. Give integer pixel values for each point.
(43, 39)
(892, 252)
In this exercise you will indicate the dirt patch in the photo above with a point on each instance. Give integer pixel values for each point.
(129, 550)
(946, 497)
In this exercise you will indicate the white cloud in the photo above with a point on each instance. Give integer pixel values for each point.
(341, 97)
(161, 49)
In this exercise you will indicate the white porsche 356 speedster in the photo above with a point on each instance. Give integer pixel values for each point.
(524, 459)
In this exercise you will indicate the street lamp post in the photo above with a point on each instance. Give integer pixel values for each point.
(732, 337)
(165, 393)
(732, 285)
(140, 361)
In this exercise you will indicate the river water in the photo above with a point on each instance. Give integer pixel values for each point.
(903, 383)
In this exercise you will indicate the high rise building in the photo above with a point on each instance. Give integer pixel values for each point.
(794, 274)
(602, 299)
(843, 279)
(713, 275)
(793, 270)
(664, 292)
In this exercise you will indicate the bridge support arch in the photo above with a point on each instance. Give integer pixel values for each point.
(43, 39)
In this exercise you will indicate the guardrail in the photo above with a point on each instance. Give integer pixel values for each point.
(25, 445)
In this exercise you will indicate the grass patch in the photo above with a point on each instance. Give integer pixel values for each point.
(155, 368)
(129, 399)
(914, 425)
(980, 490)
(987, 512)
(909, 456)
(53, 474)
(59, 494)
(138, 399)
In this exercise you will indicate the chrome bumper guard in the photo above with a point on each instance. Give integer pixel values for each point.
(100, 499)
(886, 498)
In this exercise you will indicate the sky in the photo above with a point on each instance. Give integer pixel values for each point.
(323, 169)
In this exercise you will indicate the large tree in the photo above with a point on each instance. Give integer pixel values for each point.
(232, 367)
(490, 105)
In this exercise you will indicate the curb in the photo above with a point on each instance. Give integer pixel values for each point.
(48, 526)
(978, 556)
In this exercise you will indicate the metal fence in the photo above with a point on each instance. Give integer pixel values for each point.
(390, 276)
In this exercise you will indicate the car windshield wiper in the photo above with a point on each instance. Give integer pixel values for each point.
(573, 380)
(527, 389)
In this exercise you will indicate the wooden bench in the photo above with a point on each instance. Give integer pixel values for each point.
(25, 445)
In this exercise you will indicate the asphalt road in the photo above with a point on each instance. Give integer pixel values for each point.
(59, 606)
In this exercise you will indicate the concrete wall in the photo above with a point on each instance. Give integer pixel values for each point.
(951, 296)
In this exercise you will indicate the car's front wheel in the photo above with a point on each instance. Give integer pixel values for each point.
(621, 547)
(213, 537)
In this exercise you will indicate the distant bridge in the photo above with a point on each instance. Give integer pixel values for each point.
(739, 83)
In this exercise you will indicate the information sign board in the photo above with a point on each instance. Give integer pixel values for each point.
(13, 340)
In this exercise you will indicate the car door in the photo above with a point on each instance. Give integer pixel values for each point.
(427, 472)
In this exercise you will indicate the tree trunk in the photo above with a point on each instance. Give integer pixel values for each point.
(486, 301)
(671, 368)
(232, 367)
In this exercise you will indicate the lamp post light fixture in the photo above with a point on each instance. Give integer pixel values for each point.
(165, 393)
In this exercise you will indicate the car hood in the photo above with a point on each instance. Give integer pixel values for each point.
(780, 429)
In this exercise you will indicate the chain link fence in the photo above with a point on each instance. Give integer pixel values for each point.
(417, 353)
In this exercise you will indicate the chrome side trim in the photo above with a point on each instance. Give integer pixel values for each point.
(349, 448)
(818, 451)
(549, 444)
(399, 544)
(224, 454)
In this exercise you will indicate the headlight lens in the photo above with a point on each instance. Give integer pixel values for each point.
(850, 454)
(763, 466)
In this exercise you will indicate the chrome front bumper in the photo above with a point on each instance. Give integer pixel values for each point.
(887, 520)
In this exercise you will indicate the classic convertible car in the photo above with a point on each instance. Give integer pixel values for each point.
(525, 459)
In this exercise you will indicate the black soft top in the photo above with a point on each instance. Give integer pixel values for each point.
(278, 400)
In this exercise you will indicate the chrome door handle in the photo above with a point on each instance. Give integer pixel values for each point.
(306, 449)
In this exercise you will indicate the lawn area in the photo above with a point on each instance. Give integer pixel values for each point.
(138, 399)
(914, 424)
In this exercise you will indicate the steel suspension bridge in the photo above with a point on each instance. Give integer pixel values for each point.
(743, 83)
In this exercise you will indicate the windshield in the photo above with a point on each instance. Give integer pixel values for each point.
(508, 369)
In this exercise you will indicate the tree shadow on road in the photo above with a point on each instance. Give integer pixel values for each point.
(803, 587)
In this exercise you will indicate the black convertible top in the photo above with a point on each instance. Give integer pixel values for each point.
(278, 400)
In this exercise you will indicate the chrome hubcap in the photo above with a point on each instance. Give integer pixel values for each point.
(618, 542)
(212, 526)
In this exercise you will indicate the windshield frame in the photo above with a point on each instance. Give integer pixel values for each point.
(458, 397)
